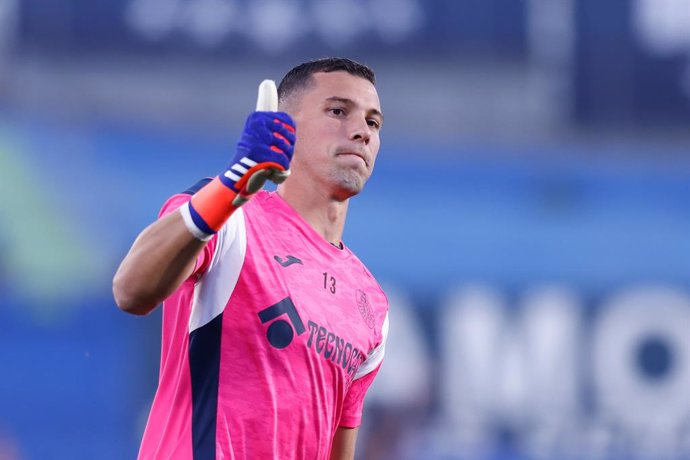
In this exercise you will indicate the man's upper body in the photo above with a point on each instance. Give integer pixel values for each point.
(269, 346)
(273, 329)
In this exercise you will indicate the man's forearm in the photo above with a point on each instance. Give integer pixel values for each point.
(159, 261)
(344, 442)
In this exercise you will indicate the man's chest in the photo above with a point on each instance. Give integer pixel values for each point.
(303, 306)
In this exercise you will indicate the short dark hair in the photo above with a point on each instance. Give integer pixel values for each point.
(300, 77)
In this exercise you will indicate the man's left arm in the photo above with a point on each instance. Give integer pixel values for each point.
(344, 443)
(345, 438)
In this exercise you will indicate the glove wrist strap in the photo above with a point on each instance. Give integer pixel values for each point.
(209, 209)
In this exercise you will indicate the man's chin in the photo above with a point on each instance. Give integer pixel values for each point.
(347, 187)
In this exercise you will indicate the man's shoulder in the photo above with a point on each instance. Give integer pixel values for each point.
(372, 282)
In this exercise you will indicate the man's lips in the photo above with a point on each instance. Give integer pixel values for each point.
(357, 154)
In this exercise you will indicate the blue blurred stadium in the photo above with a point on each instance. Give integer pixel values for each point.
(529, 215)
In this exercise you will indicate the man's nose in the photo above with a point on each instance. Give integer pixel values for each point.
(360, 130)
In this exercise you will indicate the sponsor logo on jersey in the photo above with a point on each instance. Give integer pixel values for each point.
(334, 348)
(330, 346)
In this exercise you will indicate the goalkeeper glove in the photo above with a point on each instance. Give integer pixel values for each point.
(263, 153)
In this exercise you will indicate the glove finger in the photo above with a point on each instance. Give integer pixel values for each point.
(285, 119)
(279, 129)
(277, 176)
(283, 149)
(256, 181)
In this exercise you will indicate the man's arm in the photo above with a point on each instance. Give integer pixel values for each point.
(345, 438)
(344, 443)
(161, 258)
(164, 254)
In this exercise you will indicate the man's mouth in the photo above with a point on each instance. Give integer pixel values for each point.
(357, 154)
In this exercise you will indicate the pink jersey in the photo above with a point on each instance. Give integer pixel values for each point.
(269, 346)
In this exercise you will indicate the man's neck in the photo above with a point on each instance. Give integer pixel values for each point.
(325, 214)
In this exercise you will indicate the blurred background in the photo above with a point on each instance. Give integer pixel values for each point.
(529, 215)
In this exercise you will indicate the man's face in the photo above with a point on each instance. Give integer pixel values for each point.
(338, 120)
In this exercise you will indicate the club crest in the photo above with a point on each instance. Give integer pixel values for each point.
(365, 308)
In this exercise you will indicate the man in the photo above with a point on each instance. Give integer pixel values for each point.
(272, 329)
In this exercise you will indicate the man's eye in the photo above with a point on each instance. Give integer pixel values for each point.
(373, 123)
(337, 111)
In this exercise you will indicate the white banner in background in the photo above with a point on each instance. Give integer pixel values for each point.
(622, 391)
(641, 365)
(663, 28)
(274, 25)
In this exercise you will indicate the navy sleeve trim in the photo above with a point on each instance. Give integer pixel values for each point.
(204, 366)
(198, 186)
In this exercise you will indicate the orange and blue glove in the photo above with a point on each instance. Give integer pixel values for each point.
(263, 153)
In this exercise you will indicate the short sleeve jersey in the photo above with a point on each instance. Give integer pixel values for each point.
(269, 346)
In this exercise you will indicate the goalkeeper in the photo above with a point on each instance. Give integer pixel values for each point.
(273, 329)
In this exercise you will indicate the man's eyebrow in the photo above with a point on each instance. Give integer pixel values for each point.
(348, 101)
